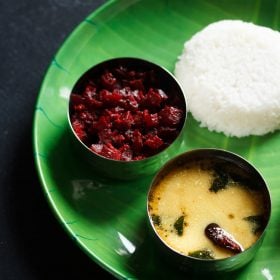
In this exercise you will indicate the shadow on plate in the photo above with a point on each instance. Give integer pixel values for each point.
(150, 264)
(93, 196)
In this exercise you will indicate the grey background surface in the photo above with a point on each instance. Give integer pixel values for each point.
(32, 243)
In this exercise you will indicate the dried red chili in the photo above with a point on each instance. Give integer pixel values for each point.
(121, 114)
(222, 238)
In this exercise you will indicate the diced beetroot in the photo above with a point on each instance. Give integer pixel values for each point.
(105, 135)
(127, 116)
(117, 95)
(126, 152)
(97, 148)
(90, 97)
(117, 138)
(114, 117)
(138, 119)
(109, 151)
(108, 80)
(102, 123)
(86, 117)
(125, 91)
(79, 129)
(131, 103)
(124, 121)
(170, 116)
(139, 157)
(153, 142)
(150, 120)
(137, 141)
(90, 91)
(114, 113)
(109, 136)
(105, 95)
(94, 103)
(110, 98)
(79, 108)
(138, 95)
(128, 134)
(155, 97)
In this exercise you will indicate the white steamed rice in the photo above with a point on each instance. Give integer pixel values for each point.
(230, 72)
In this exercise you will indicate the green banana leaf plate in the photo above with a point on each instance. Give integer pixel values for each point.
(107, 218)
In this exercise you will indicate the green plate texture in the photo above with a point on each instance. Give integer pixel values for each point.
(107, 218)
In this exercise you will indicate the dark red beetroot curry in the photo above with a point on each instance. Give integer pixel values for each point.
(123, 114)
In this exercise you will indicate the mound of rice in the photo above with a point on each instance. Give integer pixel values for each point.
(230, 72)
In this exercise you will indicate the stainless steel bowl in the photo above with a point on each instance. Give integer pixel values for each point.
(238, 166)
(126, 170)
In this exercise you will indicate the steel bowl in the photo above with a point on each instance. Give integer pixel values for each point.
(238, 167)
(127, 170)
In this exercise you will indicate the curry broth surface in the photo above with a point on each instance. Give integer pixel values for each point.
(185, 191)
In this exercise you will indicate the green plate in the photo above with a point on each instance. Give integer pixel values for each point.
(107, 218)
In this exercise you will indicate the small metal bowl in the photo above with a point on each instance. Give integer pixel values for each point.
(127, 170)
(220, 161)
